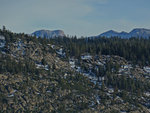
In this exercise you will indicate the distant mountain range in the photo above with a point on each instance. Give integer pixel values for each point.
(48, 33)
(138, 32)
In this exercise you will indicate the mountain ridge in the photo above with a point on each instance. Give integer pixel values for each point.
(48, 33)
(137, 32)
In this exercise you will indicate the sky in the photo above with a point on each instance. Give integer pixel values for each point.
(74, 17)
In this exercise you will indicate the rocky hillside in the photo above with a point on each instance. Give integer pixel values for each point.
(37, 75)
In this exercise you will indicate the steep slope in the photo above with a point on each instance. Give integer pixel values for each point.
(48, 33)
(34, 78)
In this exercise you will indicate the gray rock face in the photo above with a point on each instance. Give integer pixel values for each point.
(48, 33)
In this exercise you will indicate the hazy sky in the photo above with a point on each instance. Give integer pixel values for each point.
(75, 17)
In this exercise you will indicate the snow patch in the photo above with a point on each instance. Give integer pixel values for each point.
(147, 69)
(86, 57)
(2, 41)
